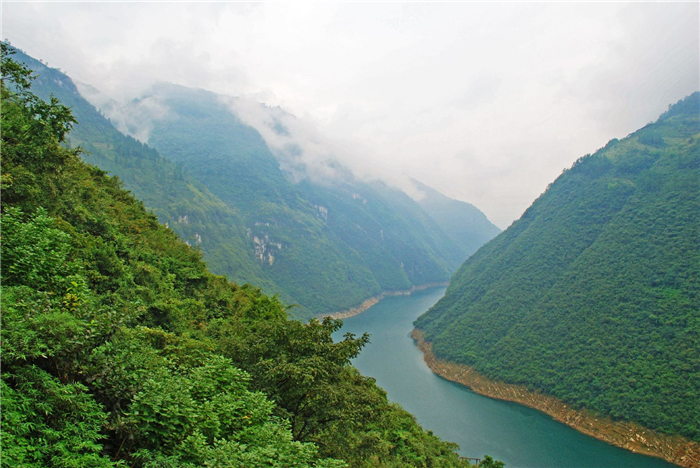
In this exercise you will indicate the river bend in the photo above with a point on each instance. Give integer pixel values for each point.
(520, 436)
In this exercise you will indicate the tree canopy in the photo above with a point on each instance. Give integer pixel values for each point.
(120, 348)
(593, 295)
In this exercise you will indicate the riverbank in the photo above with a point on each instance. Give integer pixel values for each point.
(674, 449)
(367, 303)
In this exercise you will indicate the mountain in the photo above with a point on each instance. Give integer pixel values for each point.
(466, 225)
(120, 348)
(287, 232)
(178, 199)
(213, 180)
(593, 295)
(400, 245)
(327, 245)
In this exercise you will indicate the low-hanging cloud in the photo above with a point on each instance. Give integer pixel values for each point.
(135, 118)
(305, 153)
(485, 102)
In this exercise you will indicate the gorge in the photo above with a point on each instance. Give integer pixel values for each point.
(518, 435)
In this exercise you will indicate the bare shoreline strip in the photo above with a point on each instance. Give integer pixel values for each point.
(367, 303)
(636, 438)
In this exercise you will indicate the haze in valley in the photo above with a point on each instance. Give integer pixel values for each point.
(485, 102)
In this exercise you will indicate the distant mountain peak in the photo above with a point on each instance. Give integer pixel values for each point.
(462, 221)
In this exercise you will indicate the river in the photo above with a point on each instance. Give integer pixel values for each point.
(520, 436)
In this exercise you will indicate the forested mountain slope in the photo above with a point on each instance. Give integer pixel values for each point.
(310, 236)
(291, 242)
(463, 222)
(119, 347)
(593, 296)
(218, 185)
(399, 244)
(179, 200)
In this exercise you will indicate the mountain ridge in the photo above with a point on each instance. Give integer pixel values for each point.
(592, 295)
(120, 348)
(462, 221)
(237, 226)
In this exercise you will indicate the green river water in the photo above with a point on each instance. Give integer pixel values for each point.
(518, 435)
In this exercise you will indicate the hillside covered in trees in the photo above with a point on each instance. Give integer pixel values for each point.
(120, 348)
(321, 243)
(593, 295)
(179, 200)
(215, 182)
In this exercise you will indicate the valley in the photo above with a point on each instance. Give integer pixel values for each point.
(194, 278)
(520, 436)
(321, 245)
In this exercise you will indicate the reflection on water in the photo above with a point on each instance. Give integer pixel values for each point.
(520, 436)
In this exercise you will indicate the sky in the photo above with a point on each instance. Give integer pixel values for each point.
(486, 102)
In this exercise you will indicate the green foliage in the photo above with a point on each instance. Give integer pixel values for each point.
(300, 367)
(33, 251)
(326, 246)
(49, 423)
(121, 349)
(489, 462)
(262, 229)
(189, 405)
(593, 295)
(46, 118)
(327, 401)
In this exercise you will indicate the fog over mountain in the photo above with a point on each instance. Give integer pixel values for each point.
(486, 103)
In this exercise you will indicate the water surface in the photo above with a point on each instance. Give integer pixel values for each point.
(520, 436)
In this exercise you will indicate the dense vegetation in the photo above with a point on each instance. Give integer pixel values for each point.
(593, 296)
(327, 245)
(400, 245)
(119, 347)
(324, 248)
(179, 200)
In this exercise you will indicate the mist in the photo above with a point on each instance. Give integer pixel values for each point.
(486, 103)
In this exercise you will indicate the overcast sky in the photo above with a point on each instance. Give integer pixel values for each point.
(485, 102)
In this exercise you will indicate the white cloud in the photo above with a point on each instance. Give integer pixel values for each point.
(306, 153)
(487, 103)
